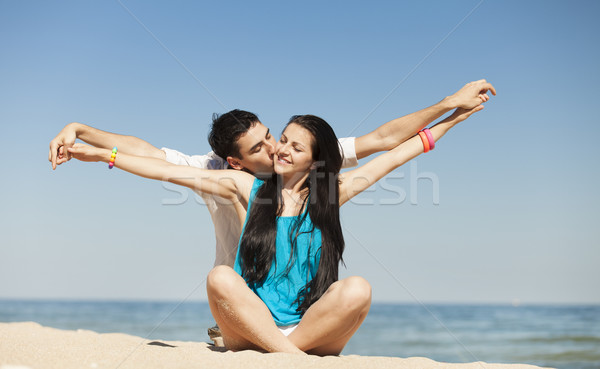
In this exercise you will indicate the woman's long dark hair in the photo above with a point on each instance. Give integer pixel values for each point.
(257, 247)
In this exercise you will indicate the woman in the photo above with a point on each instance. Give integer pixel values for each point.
(283, 294)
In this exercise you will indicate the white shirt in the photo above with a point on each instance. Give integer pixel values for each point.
(225, 219)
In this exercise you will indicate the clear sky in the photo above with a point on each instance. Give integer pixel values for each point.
(517, 216)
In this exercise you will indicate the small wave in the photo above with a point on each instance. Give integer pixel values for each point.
(578, 339)
(575, 355)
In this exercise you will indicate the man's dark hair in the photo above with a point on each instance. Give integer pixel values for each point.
(227, 128)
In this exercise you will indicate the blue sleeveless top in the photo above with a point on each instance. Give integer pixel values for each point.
(280, 290)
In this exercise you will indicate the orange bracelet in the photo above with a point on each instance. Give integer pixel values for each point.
(425, 141)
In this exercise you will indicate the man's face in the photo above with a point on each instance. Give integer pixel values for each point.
(256, 148)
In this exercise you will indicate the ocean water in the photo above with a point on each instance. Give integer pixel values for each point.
(554, 336)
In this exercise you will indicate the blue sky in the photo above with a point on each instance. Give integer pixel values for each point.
(517, 214)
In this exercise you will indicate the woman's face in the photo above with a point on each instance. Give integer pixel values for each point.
(293, 152)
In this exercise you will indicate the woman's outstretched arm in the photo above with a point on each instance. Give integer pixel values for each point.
(132, 145)
(229, 184)
(396, 131)
(356, 181)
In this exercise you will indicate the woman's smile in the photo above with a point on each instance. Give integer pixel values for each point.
(283, 161)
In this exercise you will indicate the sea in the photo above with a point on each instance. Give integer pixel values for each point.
(561, 336)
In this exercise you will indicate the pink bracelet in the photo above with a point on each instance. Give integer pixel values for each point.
(429, 138)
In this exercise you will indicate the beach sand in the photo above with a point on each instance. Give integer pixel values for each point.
(30, 345)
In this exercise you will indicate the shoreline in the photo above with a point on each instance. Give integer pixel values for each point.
(30, 345)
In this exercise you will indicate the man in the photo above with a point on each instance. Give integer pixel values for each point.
(241, 142)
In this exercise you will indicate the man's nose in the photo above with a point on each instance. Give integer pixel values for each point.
(270, 148)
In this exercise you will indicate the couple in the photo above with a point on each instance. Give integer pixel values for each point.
(279, 290)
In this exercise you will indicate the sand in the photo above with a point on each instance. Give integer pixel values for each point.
(28, 345)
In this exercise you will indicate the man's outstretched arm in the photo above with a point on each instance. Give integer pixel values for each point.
(395, 132)
(131, 145)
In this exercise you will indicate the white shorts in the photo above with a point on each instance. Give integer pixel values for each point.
(287, 329)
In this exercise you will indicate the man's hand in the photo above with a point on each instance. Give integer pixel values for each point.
(58, 153)
(88, 153)
(472, 94)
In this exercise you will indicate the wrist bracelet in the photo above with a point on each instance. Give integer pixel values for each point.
(425, 141)
(430, 139)
(113, 155)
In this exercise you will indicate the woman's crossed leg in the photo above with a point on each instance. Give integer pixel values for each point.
(330, 322)
(244, 319)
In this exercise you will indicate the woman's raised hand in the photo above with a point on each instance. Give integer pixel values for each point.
(461, 114)
(89, 153)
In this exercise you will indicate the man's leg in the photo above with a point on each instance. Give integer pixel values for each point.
(330, 322)
(244, 320)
